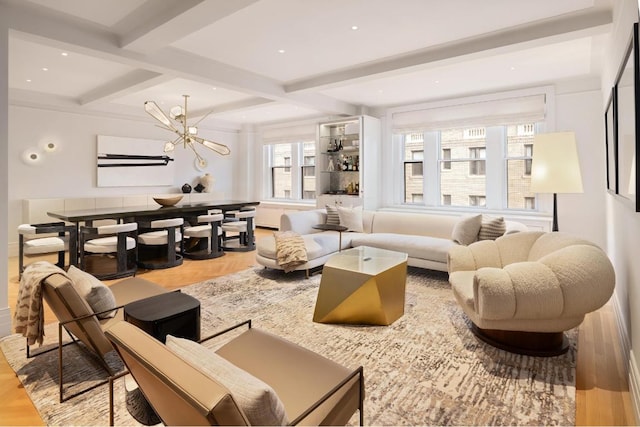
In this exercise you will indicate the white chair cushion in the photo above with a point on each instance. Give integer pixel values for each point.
(238, 226)
(171, 222)
(118, 228)
(105, 245)
(210, 218)
(202, 231)
(45, 245)
(157, 237)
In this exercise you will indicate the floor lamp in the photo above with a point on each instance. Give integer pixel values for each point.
(555, 167)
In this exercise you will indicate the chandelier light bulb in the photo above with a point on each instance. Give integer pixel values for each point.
(193, 130)
(169, 146)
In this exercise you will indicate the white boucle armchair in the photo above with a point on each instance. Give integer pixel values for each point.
(523, 290)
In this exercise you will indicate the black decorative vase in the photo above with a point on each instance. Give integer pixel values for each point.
(199, 188)
(186, 188)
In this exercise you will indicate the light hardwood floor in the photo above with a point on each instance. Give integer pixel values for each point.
(602, 391)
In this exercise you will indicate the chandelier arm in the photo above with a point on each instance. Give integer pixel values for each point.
(200, 158)
(203, 117)
(215, 146)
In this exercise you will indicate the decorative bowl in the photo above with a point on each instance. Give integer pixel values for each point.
(167, 200)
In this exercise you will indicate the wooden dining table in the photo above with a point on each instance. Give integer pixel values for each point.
(132, 213)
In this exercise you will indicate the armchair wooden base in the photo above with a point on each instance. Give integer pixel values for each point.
(539, 344)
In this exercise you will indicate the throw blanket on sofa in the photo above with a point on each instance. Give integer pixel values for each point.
(28, 317)
(290, 250)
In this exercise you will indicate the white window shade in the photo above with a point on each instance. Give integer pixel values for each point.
(306, 132)
(530, 108)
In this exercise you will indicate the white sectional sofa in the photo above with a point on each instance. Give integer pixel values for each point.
(426, 238)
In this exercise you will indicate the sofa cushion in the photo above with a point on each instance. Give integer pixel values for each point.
(332, 215)
(258, 400)
(491, 228)
(422, 247)
(317, 244)
(351, 218)
(466, 230)
(96, 293)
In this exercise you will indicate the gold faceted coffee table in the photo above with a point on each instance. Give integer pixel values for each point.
(362, 286)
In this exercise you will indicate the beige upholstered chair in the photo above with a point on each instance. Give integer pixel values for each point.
(523, 290)
(312, 389)
(77, 317)
(157, 241)
(208, 231)
(100, 244)
(47, 238)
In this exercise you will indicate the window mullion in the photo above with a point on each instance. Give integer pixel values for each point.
(431, 168)
(495, 167)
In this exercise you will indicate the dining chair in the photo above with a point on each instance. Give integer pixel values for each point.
(237, 230)
(109, 251)
(208, 231)
(47, 238)
(157, 242)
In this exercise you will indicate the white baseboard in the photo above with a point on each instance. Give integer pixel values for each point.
(634, 385)
(630, 363)
(5, 322)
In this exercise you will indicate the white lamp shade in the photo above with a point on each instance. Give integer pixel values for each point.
(555, 166)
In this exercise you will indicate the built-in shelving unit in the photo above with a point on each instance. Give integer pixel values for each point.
(344, 147)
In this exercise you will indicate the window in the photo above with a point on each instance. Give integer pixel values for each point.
(458, 160)
(477, 167)
(519, 154)
(477, 201)
(446, 155)
(463, 176)
(292, 170)
(529, 202)
(308, 171)
(413, 149)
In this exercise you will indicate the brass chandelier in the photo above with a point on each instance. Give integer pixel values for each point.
(187, 135)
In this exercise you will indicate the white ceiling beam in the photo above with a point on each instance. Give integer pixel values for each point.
(244, 104)
(35, 24)
(566, 27)
(132, 82)
(158, 23)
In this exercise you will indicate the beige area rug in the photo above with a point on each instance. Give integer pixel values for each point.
(425, 369)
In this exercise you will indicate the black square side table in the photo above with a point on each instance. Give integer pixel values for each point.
(172, 313)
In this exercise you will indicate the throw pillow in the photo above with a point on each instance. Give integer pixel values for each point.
(492, 228)
(466, 230)
(351, 218)
(258, 400)
(332, 215)
(97, 294)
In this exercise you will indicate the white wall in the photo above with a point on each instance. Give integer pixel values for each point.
(70, 171)
(584, 214)
(623, 223)
(5, 318)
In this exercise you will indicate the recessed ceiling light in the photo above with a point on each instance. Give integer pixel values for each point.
(513, 68)
(380, 91)
(45, 69)
(436, 81)
(354, 27)
(214, 88)
(64, 54)
(281, 50)
(28, 80)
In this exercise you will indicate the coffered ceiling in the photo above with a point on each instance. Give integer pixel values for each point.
(263, 61)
